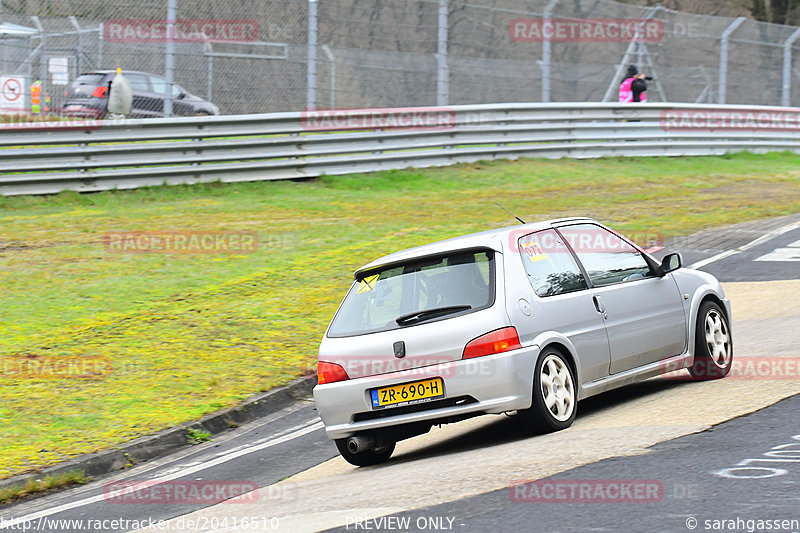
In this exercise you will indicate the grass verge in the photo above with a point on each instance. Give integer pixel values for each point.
(176, 336)
(39, 486)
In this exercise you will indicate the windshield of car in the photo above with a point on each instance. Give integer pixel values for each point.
(418, 292)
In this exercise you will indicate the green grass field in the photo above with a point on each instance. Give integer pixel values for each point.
(186, 335)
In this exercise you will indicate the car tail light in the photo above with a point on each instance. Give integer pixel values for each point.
(497, 341)
(330, 373)
(100, 92)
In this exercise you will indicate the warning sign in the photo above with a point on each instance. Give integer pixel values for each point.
(12, 95)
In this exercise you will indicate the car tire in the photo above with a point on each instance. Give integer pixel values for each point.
(555, 396)
(713, 344)
(367, 458)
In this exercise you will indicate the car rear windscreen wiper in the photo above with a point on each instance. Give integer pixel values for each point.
(427, 314)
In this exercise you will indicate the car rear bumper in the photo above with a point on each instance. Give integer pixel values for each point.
(81, 111)
(491, 384)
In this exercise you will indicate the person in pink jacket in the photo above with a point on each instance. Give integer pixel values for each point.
(632, 87)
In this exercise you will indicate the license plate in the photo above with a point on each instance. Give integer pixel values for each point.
(408, 393)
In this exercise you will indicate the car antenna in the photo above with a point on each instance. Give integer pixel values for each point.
(510, 213)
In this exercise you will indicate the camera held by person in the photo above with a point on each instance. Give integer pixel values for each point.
(633, 86)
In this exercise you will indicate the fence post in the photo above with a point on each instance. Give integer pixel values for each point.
(546, 51)
(311, 82)
(332, 81)
(79, 51)
(443, 74)
(169, 60)
(42, 63)
(723, 59)
(100, 39)
(787, 68)
(208, 51)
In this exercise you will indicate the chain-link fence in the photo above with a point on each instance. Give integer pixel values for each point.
(254, 56)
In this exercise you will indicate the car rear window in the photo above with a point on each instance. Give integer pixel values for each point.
(418, 292)
(89, 79)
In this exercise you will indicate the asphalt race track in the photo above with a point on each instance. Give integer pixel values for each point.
(682, 445)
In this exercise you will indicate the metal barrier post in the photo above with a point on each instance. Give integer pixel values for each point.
(169, 65)
(443, 74)
(787, 68)
(723, 58)
(546, 52)
(311, 94)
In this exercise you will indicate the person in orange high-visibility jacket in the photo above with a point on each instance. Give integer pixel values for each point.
(36, 97)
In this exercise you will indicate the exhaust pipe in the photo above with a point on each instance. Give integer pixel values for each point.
(360, 443)
(374, 440)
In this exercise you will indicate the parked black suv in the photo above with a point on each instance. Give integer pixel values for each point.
(88, 96)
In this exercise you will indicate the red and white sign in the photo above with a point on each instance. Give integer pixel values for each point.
(12, 95)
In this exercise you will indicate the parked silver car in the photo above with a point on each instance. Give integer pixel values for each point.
(527, 319)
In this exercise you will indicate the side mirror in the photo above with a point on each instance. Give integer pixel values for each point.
(671, 262)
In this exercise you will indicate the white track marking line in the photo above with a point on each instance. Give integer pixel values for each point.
(297, 431)
(790, 253)
(764, 238)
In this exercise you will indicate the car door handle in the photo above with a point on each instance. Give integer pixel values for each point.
(598, 304)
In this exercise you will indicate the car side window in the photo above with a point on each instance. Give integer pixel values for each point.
(159, 85)
(139, 82)
(550, 267)
(606, 257)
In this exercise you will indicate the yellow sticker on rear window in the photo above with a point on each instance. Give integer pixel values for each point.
(367, 284)
(533, 251)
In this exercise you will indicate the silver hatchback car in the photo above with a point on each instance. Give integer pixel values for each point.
(527, 319)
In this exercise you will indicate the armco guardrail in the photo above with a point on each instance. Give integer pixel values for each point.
(102, 155)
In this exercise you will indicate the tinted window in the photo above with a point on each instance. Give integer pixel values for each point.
(606, 257)
(138, 82)
(85, 85)
(377, 300)
(89, 79)
(550, 266)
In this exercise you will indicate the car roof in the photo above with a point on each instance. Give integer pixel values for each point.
(114, 71)
(492, 239)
